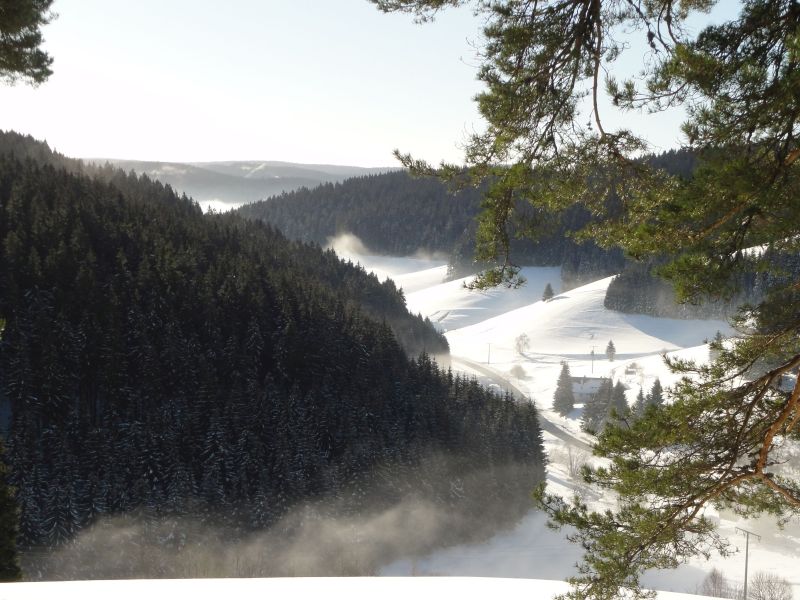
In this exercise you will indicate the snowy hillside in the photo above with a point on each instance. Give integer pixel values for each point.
(483, 328)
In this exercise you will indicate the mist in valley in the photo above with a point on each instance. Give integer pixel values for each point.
(345, 536)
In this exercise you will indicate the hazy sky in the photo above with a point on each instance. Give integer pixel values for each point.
(313, 81)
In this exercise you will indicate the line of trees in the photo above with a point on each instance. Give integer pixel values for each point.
(394, 213)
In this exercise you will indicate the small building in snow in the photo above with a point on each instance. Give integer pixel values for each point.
(586, 388)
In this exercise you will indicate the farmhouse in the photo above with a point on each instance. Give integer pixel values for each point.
(586, 388)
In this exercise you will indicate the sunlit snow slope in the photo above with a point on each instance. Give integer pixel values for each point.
(483, 329)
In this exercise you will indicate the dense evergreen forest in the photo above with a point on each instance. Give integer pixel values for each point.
(157, 359)
(397, 214)
(392, 213)
(638, 290)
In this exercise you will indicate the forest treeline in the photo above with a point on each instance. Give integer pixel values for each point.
(397, 214)
(638, 290)
(157, 359)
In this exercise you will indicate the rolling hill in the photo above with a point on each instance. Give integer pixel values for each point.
(227, 185)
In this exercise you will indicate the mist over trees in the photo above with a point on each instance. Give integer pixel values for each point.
(175, 364)
(639, 290)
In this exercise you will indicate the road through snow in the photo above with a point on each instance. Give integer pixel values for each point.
(544, 423)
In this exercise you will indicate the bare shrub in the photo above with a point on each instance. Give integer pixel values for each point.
(576, 459)
(522, 343)
(716, 586)
(767, 586)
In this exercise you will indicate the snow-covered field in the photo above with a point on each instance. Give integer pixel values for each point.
(482, 329)
(529, 561)
(364, 588)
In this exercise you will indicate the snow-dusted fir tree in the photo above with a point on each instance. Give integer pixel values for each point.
(564, 398)
(548, 292)
(9, 567)
(619, 404)
(656, 395)
(638, 406)
(611, 350)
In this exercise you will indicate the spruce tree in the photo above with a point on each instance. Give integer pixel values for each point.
(548, 292)
(611, 351)
(619, 404)
(639, 405)
(656, 395)
(9, 565)
(564, 398)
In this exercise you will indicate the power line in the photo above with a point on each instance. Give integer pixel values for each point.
(747, 535)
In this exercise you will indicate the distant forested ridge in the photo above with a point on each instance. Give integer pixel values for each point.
(397, 214)
(638, 290)
(392, 213)
(157, 359)
(238, 182)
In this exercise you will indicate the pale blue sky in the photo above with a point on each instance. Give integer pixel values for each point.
(314, 81)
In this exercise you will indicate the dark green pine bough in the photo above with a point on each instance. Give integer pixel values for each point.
(723, 438)
(21, 57)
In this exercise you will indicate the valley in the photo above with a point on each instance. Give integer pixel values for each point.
(543, 342)
(481, 328)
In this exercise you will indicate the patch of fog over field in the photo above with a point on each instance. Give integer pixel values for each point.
(354, 534)
(304, 543)
(410, 273)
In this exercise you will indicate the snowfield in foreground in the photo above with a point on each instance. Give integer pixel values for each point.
(365, 588)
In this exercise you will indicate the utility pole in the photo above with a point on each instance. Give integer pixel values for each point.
(747, 535)
(489, 357)
(592, 355)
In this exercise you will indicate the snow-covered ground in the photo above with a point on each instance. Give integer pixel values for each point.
(218, 206)
(483, 328)
(341, 588)
(451, 306)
